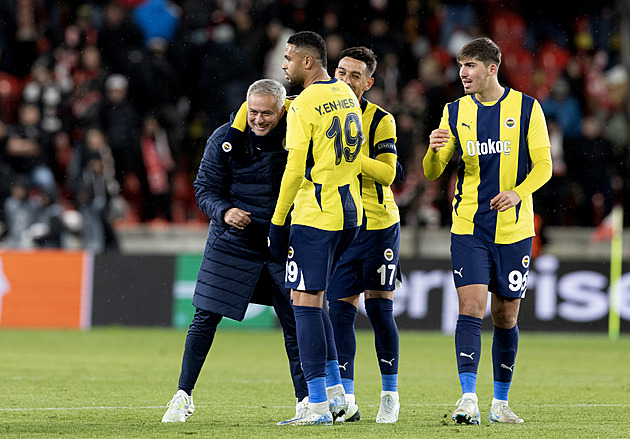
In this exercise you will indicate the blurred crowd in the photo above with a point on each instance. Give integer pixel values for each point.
(105, 106)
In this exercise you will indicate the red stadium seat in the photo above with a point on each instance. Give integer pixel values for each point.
(508, 30)
(553, 56)
(516, 61)
(552, 60)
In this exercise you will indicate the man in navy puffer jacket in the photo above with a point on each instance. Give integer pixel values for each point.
(237, 187)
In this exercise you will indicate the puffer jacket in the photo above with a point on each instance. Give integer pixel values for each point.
(246, 176)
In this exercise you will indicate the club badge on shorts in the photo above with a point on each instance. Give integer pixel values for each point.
(389, 254)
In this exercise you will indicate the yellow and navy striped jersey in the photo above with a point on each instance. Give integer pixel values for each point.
(379, 129)
(496, 143)
(322, 178)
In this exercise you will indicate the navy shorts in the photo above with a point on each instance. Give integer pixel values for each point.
(503, 267)
(314, 255)
(370, 263)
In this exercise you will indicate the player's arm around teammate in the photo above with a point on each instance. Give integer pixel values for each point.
(370, 265)
(236, 180)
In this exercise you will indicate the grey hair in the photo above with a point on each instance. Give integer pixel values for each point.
(269, 87)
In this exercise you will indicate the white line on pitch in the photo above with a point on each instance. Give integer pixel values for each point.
(26, 409)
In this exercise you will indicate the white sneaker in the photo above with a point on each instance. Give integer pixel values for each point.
(467, 411)
(351, 415)
(300, 407)
(500, 412)
(337, 401)
(180, 408)
(390, 406)
(309, 417)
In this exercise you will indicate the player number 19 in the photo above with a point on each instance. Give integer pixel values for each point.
(292, 271)
(344, 136)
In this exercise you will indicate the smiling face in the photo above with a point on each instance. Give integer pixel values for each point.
(354, 73)
(263, 113)
(476, 77)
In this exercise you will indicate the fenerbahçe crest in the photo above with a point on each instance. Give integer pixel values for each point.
(226, 146)
(389, 254)
(290, 254)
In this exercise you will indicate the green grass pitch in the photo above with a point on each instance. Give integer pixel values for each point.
(115, 382)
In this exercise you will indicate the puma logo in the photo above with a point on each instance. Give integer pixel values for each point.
(343, 366)
(505, 366)
(459, 273)
(464, 354)
(390, 362)
(467, 126)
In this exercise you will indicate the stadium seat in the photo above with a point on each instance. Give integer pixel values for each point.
(518, 67)
(552, 60)
(553, 56)
(508, 30)
(184, 205)
(10, 96)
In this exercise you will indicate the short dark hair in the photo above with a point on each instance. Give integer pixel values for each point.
(314, 42)
(482, 49)
(363, 54)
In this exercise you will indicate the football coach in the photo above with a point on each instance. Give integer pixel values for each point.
(237, 187)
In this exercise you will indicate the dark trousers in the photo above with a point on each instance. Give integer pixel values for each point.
(203, 328)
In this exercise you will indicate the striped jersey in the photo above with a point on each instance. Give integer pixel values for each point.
(495, 142)
(322, 177)
(379, 129)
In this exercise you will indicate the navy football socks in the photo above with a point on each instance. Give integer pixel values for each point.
(332, 365)
(504, 349)
(381, 315)
(342, 316)
(468, 351)
(311, 337)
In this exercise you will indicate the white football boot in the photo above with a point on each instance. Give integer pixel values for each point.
(313, 414)
(300, 407)
(389, 408)
(337, 401)
(352, 414)
(500, 412)
(180, 408)
(467, 411)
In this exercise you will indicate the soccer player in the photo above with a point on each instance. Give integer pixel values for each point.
(236, 186)
(322, 182)
(501, 137)
(370, 264)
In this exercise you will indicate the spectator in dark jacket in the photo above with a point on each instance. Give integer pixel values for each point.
(237, 187)
(27, 148)
(122, 125)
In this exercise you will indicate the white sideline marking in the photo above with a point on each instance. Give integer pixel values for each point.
(26, 409)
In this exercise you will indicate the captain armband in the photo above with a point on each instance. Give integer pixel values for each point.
(387, 146)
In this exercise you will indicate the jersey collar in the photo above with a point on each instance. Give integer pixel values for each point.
(364, 102)
(329, 81)
(480, 104)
